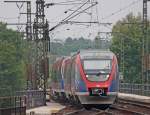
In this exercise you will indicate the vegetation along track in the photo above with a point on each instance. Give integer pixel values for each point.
(122, 107)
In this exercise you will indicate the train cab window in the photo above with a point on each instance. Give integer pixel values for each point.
(97, 64)
(97, 70)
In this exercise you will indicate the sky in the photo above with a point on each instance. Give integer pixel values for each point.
(107, 11)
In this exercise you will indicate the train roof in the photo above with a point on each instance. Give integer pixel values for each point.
(95, 50)
(97, 53)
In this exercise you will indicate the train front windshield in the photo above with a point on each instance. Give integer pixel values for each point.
(97, 70)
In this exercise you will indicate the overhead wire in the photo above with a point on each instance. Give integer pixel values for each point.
(70, 1)
(82, 11)
(62, 13)
(67, 3)
(121, 9)
(112, 14)
(76, 13)
(76, 10)
(72, 16)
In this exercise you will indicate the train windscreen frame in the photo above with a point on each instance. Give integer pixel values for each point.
(97, 69)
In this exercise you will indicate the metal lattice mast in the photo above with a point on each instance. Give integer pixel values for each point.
(122, 55)
(29, 39)
(41, 37)
(145, 43)
(29, 25)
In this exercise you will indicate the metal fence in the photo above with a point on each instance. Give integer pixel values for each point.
(139, 89)
(34, 98)
(13, 105)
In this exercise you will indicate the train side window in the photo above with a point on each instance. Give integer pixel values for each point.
(54, 77)
(62, 70)
(52, 74)
(58, 75)
(69, 71)
(73, 69)
(59, 72)
(73, 72)
(77, 72)
(65, 71)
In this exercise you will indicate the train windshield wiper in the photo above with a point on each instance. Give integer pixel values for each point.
(100, 72)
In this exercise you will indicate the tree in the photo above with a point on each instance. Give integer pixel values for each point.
(127, 45)
(70, 45)
(69, 40)
(12, 60)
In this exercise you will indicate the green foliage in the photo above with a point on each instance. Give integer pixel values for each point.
(12, 64)
(70, 45)
(101, 43)
(129, 37)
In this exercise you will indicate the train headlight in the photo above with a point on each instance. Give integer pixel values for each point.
(107, 76)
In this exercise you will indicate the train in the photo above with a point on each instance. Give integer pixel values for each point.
(88, 77)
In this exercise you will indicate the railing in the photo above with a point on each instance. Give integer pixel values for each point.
(13, 105)
(35, 98)
(139, 89)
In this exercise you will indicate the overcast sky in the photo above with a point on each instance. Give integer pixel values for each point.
(108, 11)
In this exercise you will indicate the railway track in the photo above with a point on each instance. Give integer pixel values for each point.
(139, 108)
(82, 111)
(122, 107)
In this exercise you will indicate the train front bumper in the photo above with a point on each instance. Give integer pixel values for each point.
(85, 98)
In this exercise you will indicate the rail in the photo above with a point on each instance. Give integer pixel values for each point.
(122, 107)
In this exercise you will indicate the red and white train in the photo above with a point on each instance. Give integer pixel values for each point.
(89, 77)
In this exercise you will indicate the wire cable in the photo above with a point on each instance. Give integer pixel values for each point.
(82, 11)
(76, 10)
(121, 9)
(70, 1)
